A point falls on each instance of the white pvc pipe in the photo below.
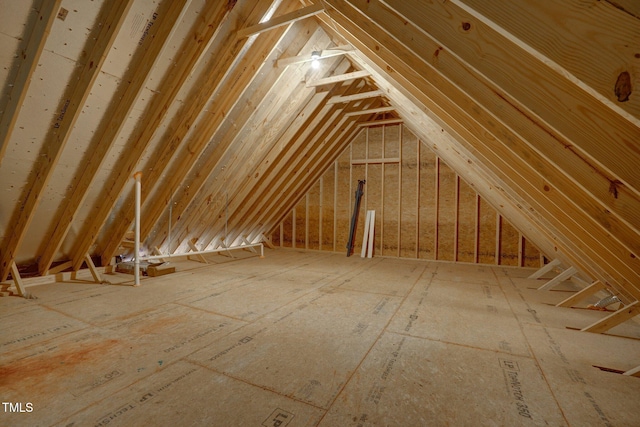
(136, 269)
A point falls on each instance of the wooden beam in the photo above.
(194, 248)
(247, 242)
(30, 57)
(17, 280)
(92, 267)
(380, 122)
(107, 26)
(267, 241)
(130, 88)
(355, 97)
(370, 111)
(592, 50)
(581, 295)
(327, 53)
(282, 20)
(565, 275)
(392, 160)
(545, 269)
(225, 99)
(635, 372)
(60, 267)
(187, 57)
(614, 319)
(338, 78)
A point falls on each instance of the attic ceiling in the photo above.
(220, 107)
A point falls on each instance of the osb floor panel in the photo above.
(306, 339)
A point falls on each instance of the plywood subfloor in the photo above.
(310, 338)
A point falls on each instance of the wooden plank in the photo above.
(594, 48)
(281, 20)
(380, 122)
(247, 242)
(635, 372)
(17, 280)
(268, 242)
(194, 248)
(327, 53)
(456, 221)
(365, 235)
(581, 295)
(36, 38)
(376, 161)
(355, 97)
(130, 88)
(540, 89)
(614, 319)
(60, 267)
(185, 60)
(92, 268)
(109, 22)
(338, 78)
(545, 269)
(498, 237)
(565, 275)
(370, 111)
(371, 231)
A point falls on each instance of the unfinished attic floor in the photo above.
(309, 338)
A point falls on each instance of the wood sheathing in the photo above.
(491, 133)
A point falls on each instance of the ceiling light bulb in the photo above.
(315, 55)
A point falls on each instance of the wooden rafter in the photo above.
(131, 87)
(282, 20)
(561, 219)
(186, 59)
(109, 22)
(173, 151)
(232, 110)
(292, 100)
(31, 55)
(298, 139)
(338, 78)
(287, 187)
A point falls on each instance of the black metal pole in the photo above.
(354, 218)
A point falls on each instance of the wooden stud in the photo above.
(581, 295)
(399, 229)
(456, 226)
(306, 221)
(614, 319)
(247, 242)
(418, 169)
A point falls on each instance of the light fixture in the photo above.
(315, 56)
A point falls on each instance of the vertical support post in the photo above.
(136, 270)
(17, 280)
